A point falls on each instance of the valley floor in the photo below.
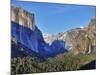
(62, 62)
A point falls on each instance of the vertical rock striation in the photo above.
(79, 40)
(28, 35)
(22, 17)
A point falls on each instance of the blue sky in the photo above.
(53, 18)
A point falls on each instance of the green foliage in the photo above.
(62, 62)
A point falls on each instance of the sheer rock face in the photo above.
(92, 31)
(22, 17)
(24, 29)
(28, 35)
(85, 41)
(67, 37)
(80, 40)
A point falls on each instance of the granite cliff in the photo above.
(27, 34)
(80, 40)
(22, 17)
(24, 30)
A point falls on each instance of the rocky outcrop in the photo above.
(92, 31)
(34, 41)
(68, 37)
(80, 40)
(24, 30)
(86, 39)
(29, 36)
(49, 38)
(22, 17)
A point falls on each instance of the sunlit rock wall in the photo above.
(22, 17)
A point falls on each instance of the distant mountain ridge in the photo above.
(79, 40)
(74, 36)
